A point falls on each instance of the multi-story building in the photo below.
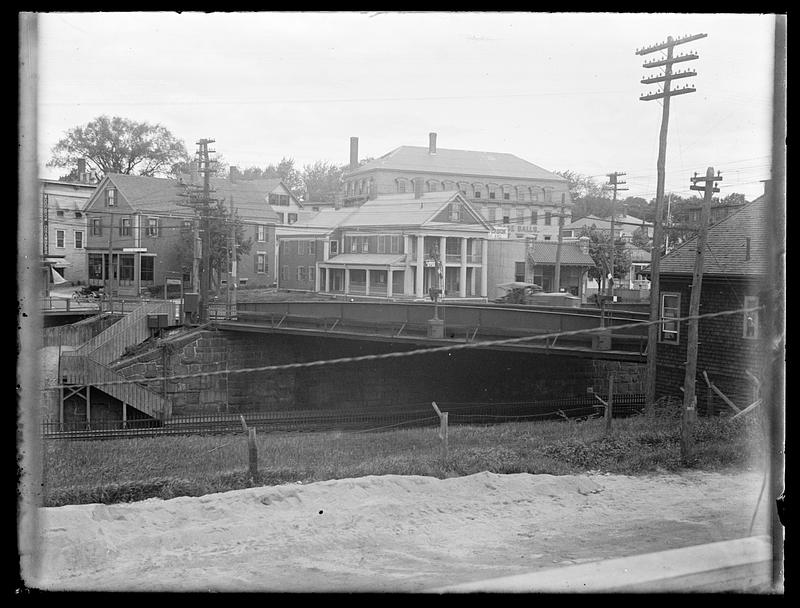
(624, 226)
(64, 227)
(394, 246)
(144, 224)
(503, 188)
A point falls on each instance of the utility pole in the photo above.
(110, 267)
(557, 277)
(669, 224)
(204, 167)
(689, 397)
(232, 278)
(666, 78)
(615, 183)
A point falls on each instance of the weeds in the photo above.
(165, 467)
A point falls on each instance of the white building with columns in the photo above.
(401, 246)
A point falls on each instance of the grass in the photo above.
(165, 467)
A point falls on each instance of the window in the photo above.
(455, 212)
(79, 239)
(126, 267)
(534, 217)
(283, 199)
(534, 194)
(563, 196)
(477, 193)
(78, 215)
(97, 227)
(60, 213)
(492, 194)
(401, 186)
(750, 324)
(292, 218)
(312, 248)
(506, 196)
(302, 274)
(261, 262)
(548, 196)
(125, 226)
(548, 218)
(146, 269)
(312, 274)
(111, 197)
(670, 310)
(280, 218)
(261, 233)
(186, 226)
(284, 273)
(60, 239)
(152, 226)
(519, 271)
(364, 244)
(492, 214)
(547, 238)
(353, 245)
(334, 247)
(96, 266)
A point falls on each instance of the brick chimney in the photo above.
(431, 143)
(353, 153)
(418, 187)
(82, 170)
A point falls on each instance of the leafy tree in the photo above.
(219, 227)
(290, 176)
(600, 251)
(322, 181)
(119, 145)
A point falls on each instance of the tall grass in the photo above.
(133, 469)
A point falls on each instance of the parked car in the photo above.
(518, 292)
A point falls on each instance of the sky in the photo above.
(560, 90)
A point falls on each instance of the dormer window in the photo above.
(111, 197)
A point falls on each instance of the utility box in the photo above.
(157, 321)
(436, 328)
(191, 303)
(601, 340)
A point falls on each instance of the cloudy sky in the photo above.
(559, 90)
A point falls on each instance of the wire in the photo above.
(415, 352)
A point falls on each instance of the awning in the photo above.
(55, 262)
(366, 259)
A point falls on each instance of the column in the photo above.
(420, 265)
(346, 280)
(326, 250)
(443, 257)
(472, 281)
(317, 280)
(484, 267)
(462, 279)
(327, 280)
(389, 274)
(137, 273)
(366, 285)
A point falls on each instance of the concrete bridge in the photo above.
(409, 322)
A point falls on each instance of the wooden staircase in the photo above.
(88, 365)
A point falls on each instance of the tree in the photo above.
(220, 230)
(322, 181)
(290, 176)
(600, 251)
(120, 145)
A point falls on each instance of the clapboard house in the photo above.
(730, 347)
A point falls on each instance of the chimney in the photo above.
(418, 187)
(583, 243)
(767, 189)
(353, 153)
(81, 169)
(431, 143)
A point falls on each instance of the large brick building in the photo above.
(503, 188)
(734, 270)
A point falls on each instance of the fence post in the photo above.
(610, 404)
(253, 453)
(442, 430)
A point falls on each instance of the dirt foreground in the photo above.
(387, 533)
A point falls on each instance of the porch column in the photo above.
(389, 283)
(326, 250)
(366, 285)
(484, 267)
(316, 278)
(443, 257)
(346, 280)
(327, 280)
(420, 265)
(462, 279)
(472, 281)
(137, 273)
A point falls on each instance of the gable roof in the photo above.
(544, 252)
(601, 222)
(726, 246)
(458, 162)
(406, 210)
(163, 195)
